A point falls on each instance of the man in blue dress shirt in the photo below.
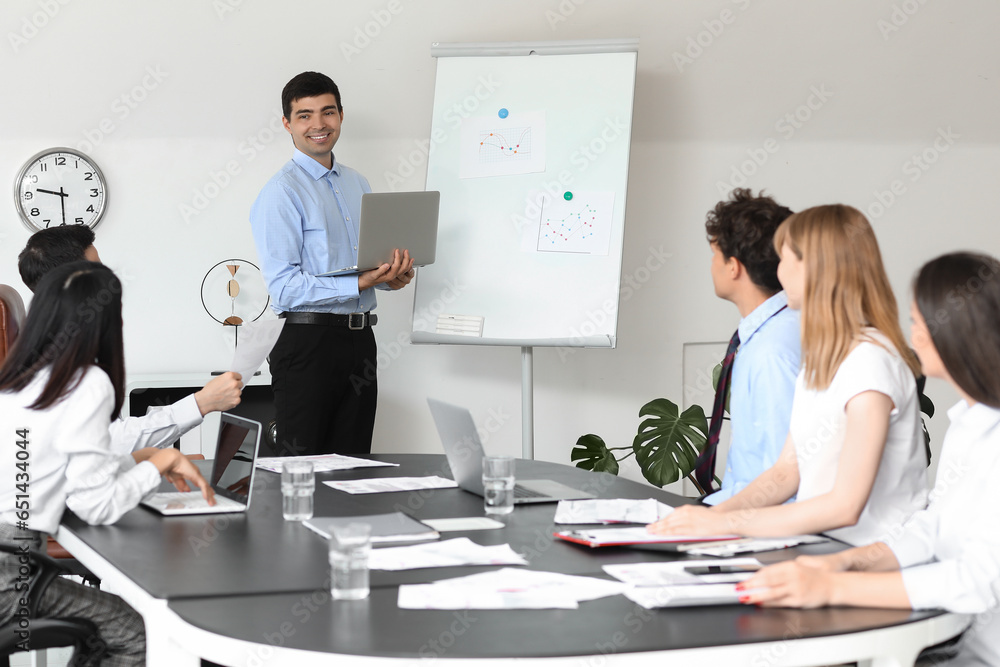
(305, 222)
(745, 271)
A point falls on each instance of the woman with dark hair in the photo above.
(948, 555)
(60, 387)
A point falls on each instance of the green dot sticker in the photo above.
(567, 195)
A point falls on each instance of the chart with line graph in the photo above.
(504, 145)
(581, 225)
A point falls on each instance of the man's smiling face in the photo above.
(315, 126)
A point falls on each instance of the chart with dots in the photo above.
(503, 144)
(580, 223)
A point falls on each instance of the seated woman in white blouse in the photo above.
(60, 387)
(854, 455)
(948, 555)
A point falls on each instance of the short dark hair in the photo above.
(743, 227)
(958, 295)
(75, 321)
(307, 84)
(52, 247)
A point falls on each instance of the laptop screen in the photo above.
(235, 456)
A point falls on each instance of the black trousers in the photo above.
(325, 389)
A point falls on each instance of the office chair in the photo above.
(80, 633)
(11, 318)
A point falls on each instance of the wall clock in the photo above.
(60, 186)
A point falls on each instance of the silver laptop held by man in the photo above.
(232, 473)
(395, 220)
(465, 457)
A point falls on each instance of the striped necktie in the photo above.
(704, 467)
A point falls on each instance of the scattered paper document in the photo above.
(579, 588)
(610, 537)
(508, 588)
(322, 462)
(676, 573)
(614, 510)
(449, 553)
(255, 343)
(754, 545)
(464, 523)
(685, 596)
(391, 484)
(431, 596)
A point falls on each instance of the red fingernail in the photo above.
(744, 599)
(739, 587)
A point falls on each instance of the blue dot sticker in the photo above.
(503, 113)
(567, 195)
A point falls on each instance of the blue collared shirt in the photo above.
(761, 393)
(305, 222)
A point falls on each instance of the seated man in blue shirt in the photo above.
(745, 271)
(305, 223)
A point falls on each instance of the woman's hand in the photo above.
(789, 584)
(179, 470)
(692, 520)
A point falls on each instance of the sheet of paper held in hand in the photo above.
(653, 597)
(391, 484)
(449, 553)
(508, 588)
(255, 343)
(611, 510)
(322, 462)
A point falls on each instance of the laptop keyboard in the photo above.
(521, 492)
(195, 500)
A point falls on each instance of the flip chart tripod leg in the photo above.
(527, 403)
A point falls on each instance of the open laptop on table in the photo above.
(231, 478)
(465, 457)
(395, 220)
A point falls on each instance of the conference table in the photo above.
(252, 589)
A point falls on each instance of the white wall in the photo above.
(884, 94)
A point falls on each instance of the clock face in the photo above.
(60, 186)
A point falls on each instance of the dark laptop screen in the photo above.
(235, 456)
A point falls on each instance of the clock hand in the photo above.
(62, 203)
(50, 192)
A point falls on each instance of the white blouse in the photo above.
(818, 429)
(61, 457)
(950, 552)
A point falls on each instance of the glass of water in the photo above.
(498, 484)
(349, 549)
(298, 482)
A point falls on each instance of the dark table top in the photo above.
(248, 576)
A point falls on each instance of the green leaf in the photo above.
(667, 443)
(590, 453)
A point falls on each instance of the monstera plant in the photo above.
(666, 446)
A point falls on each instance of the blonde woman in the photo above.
(853, 456)
(948, 555)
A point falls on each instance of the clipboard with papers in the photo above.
(631, 536)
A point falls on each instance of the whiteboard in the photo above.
(529, 147)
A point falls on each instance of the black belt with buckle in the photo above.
(353, 321)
